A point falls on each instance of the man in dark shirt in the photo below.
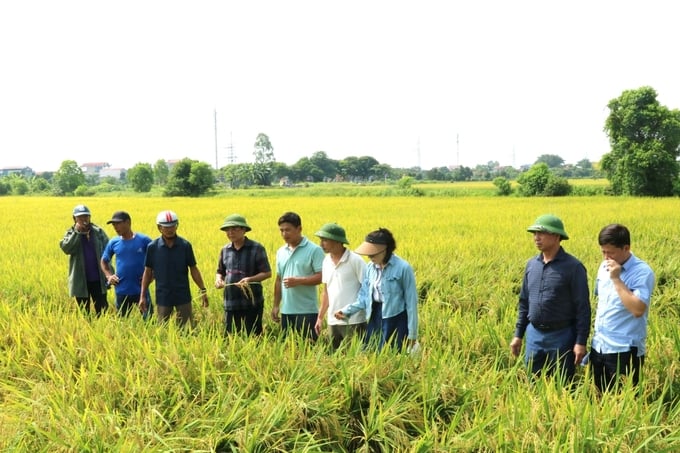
(169, 261)
(554, 304)
(242, 266)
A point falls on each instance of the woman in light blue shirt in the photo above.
(388, 293)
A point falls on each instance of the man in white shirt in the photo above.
(341, 275)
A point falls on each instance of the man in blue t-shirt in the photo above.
(129, 248)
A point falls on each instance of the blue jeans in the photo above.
(393, 331)
(550, 351)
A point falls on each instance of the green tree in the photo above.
(281, 170)
(349, 168)
(329, 167)
(39, 184)
(238, 175)
(540, 181)
(19, 185)
(141, 177)
(161, 172)
(67, 179)
(5, 186)
(264, 158)
(551, 160)
(305, 170)
(383, 171)
(503, 186)
(189, 178)
(583, 169)
(461, 174)
(438, 174)
(645, 143)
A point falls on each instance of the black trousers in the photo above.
(248, 320)
(94, 290)
(607, 368)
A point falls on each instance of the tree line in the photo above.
(643, 161)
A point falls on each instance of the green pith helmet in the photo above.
(334, 232)
(549, 223)
(235, 220)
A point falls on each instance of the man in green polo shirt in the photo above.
(298, 272)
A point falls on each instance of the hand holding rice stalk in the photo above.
(247, 291)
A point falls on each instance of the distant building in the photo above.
(94, 168)
(111, 172)
(20, 171)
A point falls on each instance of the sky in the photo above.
(410, 83)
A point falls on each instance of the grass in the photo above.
(72, 383)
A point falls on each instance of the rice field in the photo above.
(71, 383)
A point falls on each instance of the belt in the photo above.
(553, 326)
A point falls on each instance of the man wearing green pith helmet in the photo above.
(554, 304)
(241, 268)
(341, 276)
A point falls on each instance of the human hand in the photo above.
(339, 315)
(290, 282)
(82, 224)
(275, 314)
(204, 296)
(142, 304)
(219, 282)
(516, 346)
(413, 347)
(112, 280)
(613, 268)
(579, 353)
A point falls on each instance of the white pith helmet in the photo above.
(167, 218)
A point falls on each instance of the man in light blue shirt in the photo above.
(298, 273)
(623, 288)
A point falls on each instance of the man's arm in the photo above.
(323, 309)
(198, 279)
(277, 299)
(147, 278)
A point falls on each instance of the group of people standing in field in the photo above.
(554, 315)
(375, 300)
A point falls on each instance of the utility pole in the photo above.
(418, 148)
(457, 151)
(216, 164)
(231, 157)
